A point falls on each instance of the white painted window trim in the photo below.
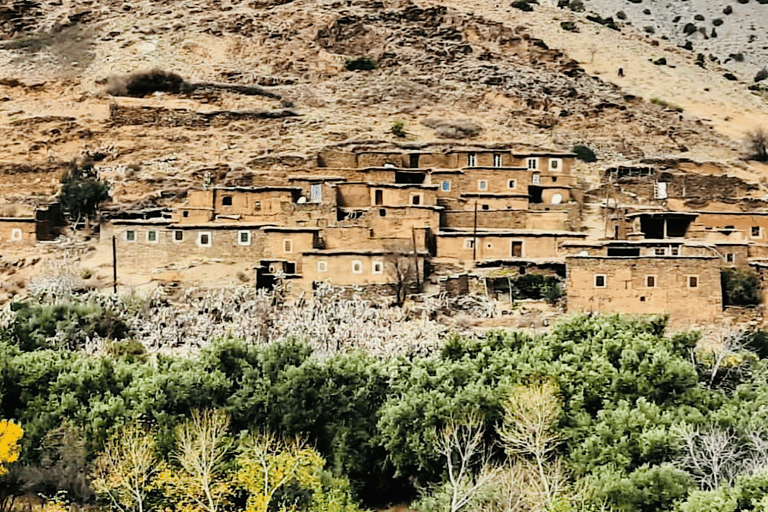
(605, 280)
(512, 184)
(377, 267)
(469, 243)
(133, 231)
(200, 239)
(288, 245)
(16, 234)
(497, 160)
(157, 238)
(759, 232)
(559, 166)
(482, 184)
(471, 159)
(536, 179)
(357, 267)
(240, 237)
(176, 240)
(443, 186)
(322, 266)
(655, 280)
(532, 163)
(688, 281)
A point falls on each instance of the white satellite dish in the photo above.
(583, 253)
(302, 200)
(557, 199)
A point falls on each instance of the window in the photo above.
(497, 160)
(16, 234)
(244, 238)
(469, 243)
(600, 281)
(152, 236)
(382, 212)
(378, 197)
(130, 235)
(661, 251)
(675, 251)
(755, 231)
(482, 185)
(226, 201)
(377, 267)
(555, 164)
(416, 199)
(322, 266)
(730, 257)
(532, 164)
(650, 281)
(485, 206)
(445, 186)
(693, 281)
(471, 160)
(357, 267)
(257, 205)
(512, 184)
(185, 213)
(178, 236)
(536, 179)
(516, 249)
(287, 245)
(204, 239)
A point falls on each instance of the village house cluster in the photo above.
(411, 219)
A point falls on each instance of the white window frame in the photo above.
(558, 164)
(536, 179)
(660, 251)
(497, 160)
(469, 243)
(16, 234)
(482, 184)
(759, 232)
(532, 163)
(133, 235)
(655, 280)
(471, 159)
(730, 257)
(288, 245)
(445, 186)
(322, 266)
(357, 267)
(377, 267)
(177, 240)
(240, 237)
(200, 236)
(688, 281)
(511, 184)
(156, 236)
(605, 280)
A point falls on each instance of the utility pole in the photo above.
(415, 258)
(114, 264)
(474, 236)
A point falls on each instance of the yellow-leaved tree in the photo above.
(10, 433)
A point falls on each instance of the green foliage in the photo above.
(82, 192)
(741, 287)
(648, 489)
(66, 325)
(398, 129)
(523, 5)
(584, 153)
(537, 286)
(665, 104)
(360, 64)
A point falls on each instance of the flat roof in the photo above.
(141, 222)
(361, 252)
(266, 188)
(661, 214)
(490, 194)
(650, 257)
(316, 178)
(390, 185)
(511, 232)
(17, 219)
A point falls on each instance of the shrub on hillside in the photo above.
(523, 5)
(360, 64)
(398, 129)
(145, 82)
(757, 143)
(740, 287)
(584, 153)
(81, 193)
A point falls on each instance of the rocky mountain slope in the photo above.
(733, 31)
(518, 76)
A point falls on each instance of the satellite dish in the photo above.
(389, 165)
(302, 200)
(557, 199)
(583, 253)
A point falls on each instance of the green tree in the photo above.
(81, 193)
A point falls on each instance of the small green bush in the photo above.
(666, 104)
(584, 153)
(523, 5)
(398, 129)
(360, 64)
